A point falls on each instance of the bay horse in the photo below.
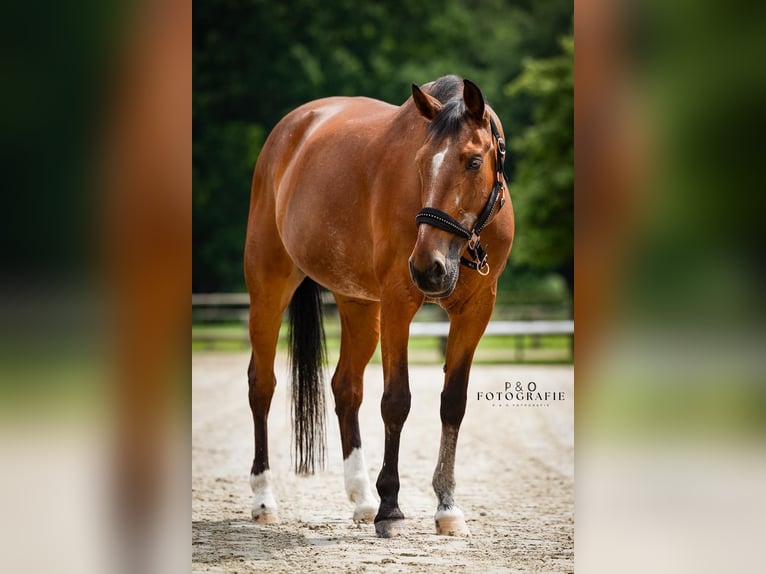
(380, 204)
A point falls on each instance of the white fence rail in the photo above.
(217, 306)
(498, 328)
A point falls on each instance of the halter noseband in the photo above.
(446, 222)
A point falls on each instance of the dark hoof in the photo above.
(389, 528)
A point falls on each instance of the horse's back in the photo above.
(335, 117)
(312, 181)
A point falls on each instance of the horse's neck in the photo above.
(399, 140)
(409, 122)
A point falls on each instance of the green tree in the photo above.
(543, 187)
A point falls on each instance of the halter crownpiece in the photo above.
(444, 221)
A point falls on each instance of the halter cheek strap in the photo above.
(440, 219)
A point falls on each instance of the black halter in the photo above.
(442, 220)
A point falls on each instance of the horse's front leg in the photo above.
(466, 329)
(396, 313)
(359, 336)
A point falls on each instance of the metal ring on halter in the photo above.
(483, 273)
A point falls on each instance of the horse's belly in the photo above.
(335, 251)
(334, 267)
(343, 282)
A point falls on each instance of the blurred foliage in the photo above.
(699, 255)
(255, 60)
(543, 189)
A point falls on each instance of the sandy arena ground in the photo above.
(514, 474)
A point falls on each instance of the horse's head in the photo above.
(460, 172)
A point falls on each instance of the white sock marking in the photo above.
(444, 477)
(451, 512)
(263, 498)
(357, 481)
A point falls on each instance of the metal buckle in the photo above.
(473, 241)
(483, 265)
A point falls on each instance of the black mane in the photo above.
(449, 91)
(446, 88)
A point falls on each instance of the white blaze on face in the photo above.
(357, 481)
(436, 164)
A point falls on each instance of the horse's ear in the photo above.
(474, 100)
(427, 105)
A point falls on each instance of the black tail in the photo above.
(307, 357)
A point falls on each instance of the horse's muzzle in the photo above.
(436, 277)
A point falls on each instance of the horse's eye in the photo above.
(474, 163)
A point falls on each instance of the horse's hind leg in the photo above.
(271, 288)
(466, 329)
(360, 322)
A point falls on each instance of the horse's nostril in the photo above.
(439, 270)
(431, 277)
